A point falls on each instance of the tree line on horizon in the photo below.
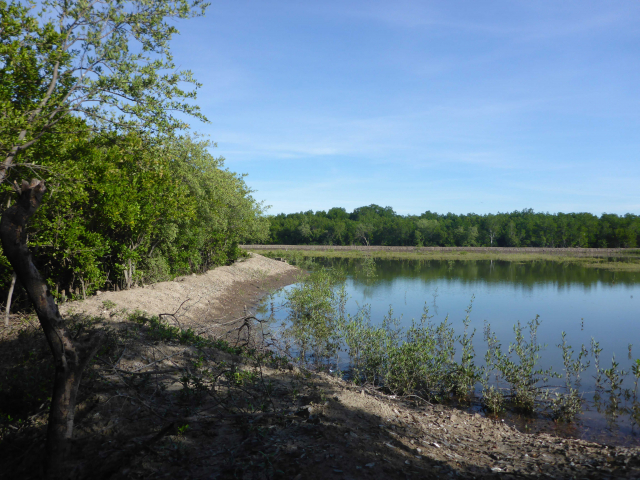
(376, 225)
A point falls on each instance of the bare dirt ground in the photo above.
(157, 403)
(197, 301)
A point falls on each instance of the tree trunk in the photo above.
(71, 354)
(9, 297)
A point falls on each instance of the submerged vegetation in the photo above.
(430, 361)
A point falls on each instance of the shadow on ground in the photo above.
(159, 402)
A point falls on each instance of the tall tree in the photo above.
(71, 353)
(107, 61)
(492, 226)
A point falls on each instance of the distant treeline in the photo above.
(375, 225)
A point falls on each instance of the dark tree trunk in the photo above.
(70, 354)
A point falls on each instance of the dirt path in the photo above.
(220, 294)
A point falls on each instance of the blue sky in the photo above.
(456, 106)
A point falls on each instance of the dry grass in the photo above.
(615, 260)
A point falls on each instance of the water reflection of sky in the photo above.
(610, 313)
(585, 303)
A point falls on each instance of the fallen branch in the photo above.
(174, 314)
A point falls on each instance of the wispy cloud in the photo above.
(527, 21)
(424, 105)
(452, 133)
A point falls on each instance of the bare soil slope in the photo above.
(197, 300)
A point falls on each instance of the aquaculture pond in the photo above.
(586, 303)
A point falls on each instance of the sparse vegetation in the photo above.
(423, 361)
(138, 365)
(629, 261)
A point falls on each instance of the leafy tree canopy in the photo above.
(107, 61)
(375, 225)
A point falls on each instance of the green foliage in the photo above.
(635, 370)
(108, 62)
(467, 374)
(224, 212)
(161, 331)
(595, 353)
(568, 404)
(122, 210)
(374, 225)
(525, 380)
(316, 309)
(89, 93)
(420, 360)
(492, 397)
(613, 378)
(108, 304)
(241, 377)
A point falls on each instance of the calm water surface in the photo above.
(584, 302)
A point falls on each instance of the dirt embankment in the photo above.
(223, 293)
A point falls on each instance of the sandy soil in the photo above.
(196, 301)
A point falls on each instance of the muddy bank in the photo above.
(370, 435)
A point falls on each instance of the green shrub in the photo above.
(125, 209)
(315, 310)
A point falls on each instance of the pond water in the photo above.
(583, 302)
